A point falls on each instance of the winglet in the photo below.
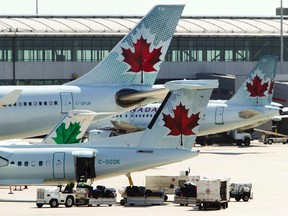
(71, 129)
(10, 98)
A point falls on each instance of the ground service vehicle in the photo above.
(168, 184)
(54, 197)
(139, 195)
(212, 193)
(81, 196)
(241, 191)
(186, 194)
(270, 139)
(234, 136)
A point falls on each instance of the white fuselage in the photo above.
(219, 117)
(47, 164)
(40, 108)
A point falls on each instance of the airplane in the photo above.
(251, 106)
(168, 138)
(120, 82)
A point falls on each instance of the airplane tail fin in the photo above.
(71, 129)
(136, 59)
(176, 123)
(258, 88)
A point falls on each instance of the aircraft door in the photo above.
(58, 165)
(66, 101)
(219, 115)
(84, 164)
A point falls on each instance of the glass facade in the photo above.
(27, 49)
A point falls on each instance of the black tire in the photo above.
(122, 202)
(270, 142)
(245, 198)
(39, 205)
(109, 205)
(69, 201)
(53, 203)
(181, 204)
(247, 141)
(165, 198)
(237, 199)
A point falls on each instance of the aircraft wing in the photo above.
(10, 98)
(128, 127)
(270, 132)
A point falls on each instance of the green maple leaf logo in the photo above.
(67, 136)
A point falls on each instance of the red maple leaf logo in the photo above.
(256, 88)
(271, 86)
(181, 124)
(141, 59)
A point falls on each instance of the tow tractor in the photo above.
(55, 196)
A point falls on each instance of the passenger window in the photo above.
(12, 163)
(26, 163)
(25, 103)
(35, 103)
(50, 102)
(47, 163)
(45, 103)
(40, 163)
(40, 103)
(33, 163)
(30, 103)
(20, 104)
(19, 163)
(55, 102)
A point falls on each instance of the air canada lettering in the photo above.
(144, 109)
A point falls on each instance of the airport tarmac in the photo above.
(265, 166)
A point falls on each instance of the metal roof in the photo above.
(120, 25)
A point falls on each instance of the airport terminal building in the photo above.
(40, 50)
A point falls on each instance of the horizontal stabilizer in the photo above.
(10, 98)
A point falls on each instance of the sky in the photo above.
(140, 7)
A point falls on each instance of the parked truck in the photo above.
(212, 193)
(234, 136)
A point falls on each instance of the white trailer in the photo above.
(168, 184)
(212, 193)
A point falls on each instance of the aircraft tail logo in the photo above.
(71, 129)
(136, 59)
(176, 123)
(258, 88)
